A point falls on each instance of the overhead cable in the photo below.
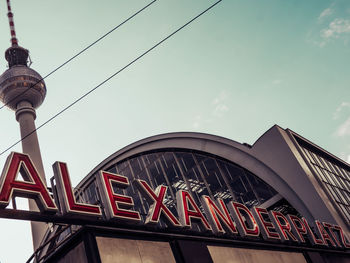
(110, 77)
(79, 53)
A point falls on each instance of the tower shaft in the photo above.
(25, 115)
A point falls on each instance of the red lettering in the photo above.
(217, 215)
(158, 207)
(66, 196)
(324, 234)
(116, 203)
(284, 228)
(32, 186)
(298, 226)
(188, 209)
(247, 226)
(344, 240)
(330, 229)
(266, 226)
(314, 240)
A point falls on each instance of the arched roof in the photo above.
(230, 150)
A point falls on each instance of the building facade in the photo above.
(197, 177)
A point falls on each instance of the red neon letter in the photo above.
(247, 227)
(188, 209)
(117, 205)
(67, 199)
(324, 234)
(215, 213)
(330, 229)
(313, 239)
(298, 227)
(32, 187)
(284, 228)
(266, 226)
(157, 206)
(346, 244)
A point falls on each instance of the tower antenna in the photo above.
(14, 41)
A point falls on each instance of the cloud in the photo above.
(220, 106)
(330, 26)
(336, 28)
(340, 108)
(325, 13)
(343, 129)
(218, 109)
(220, 98)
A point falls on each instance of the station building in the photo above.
(282, 172)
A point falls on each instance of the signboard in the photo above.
(233, 218)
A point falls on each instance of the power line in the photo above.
(112, 76)
(79, 53)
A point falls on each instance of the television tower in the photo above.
(23, 90)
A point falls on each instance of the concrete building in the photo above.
(281, 172)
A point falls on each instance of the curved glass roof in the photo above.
(196, 172)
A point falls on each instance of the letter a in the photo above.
(32, 186)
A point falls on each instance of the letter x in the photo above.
(158, 206)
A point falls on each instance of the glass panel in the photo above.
(348, 173)
(244, 255)
(329, 177)
(320, 173)
(315, 159)
(336, 170)
(116, 250)
(331, 190)
(336, 176)
(76, 254)
(345, 211)
(308, 155)
(341, 196)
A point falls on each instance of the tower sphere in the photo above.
(19, 82)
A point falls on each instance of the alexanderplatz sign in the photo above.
(232, 218)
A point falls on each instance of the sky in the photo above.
(235, 72)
